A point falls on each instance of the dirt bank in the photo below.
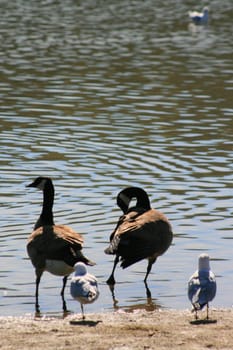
(119, 331)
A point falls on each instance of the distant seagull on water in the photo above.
(202, 285)
(200, 17)
(84, 286)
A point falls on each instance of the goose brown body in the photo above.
(141, 232)
(53, 248)
(56, 243)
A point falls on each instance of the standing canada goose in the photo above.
(202, 286)
(141, 233)
(53, 248)
(84, 286)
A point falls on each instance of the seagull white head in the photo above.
(80, 269)
(204, 262)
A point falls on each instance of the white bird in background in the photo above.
(200, 17)
(202, 285)
(84, 286)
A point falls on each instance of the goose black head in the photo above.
(125, 196)
(41, 182)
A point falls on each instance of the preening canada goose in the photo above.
(202, 286)
(83, 286)
(140, 233)
(53, 248)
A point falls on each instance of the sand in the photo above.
(159, 329)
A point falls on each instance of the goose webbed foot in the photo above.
(37, 308)
(37, 311)
(64, 307)
(148, 292)
(111, 281)
(112, 290)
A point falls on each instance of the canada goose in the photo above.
(140, 233)
(202, 286)
(84, 286)
(53, 248)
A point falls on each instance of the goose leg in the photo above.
(149, 266)
(62, 293)
(38, 277)
(111, 279)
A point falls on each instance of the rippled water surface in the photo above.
(100, 95)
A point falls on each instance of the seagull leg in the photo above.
(111, 279)
(196, 317)
(38, 277)
(83, 316)
(62, 293)
(207, 311)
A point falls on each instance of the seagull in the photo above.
(141, 232)
(200, 17)
(84, 286)
(202, 285)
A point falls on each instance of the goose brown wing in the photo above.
(135, 221)
(121, 228)
(56, 235)
(142, 236)
(68, 235)
(53, 242)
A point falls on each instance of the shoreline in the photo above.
(120, 330)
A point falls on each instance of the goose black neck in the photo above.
(46, 216)
(125, 196)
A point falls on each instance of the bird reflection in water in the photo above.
(147, 304)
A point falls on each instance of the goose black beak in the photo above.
(30, 185)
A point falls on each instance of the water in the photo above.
(103, 95)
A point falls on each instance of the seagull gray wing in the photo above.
(201, 288)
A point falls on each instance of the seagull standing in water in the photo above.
(200, 17)
(202, 285)
(84, 286)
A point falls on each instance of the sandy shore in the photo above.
(160, 329)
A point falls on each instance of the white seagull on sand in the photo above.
(200, 17)
(84, 286)
(202, 285)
